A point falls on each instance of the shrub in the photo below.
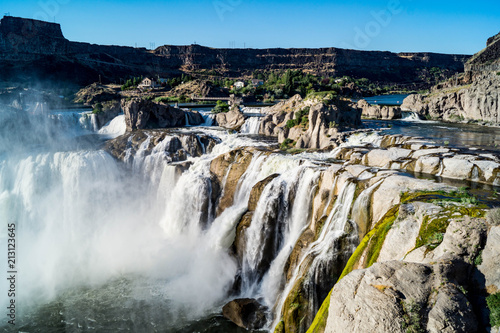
(291, 123)
(493, 216)
(333, 124)
(97, 108)
(220, 107)
(493, 302)
(286, 144)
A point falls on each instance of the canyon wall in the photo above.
(31, 49)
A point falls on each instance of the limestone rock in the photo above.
(247, 313)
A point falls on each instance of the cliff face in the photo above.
(475, 98)
(35, 49)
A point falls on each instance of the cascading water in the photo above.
(410, 116)
(114, 127)
(107, 245)
(322, 251)
(251, 125)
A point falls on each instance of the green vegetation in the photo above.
(300, 118)
(287, 144)
(493, 302)
(493, 216)
(498, 73)
(479, 259)
(170, 99)
(332, 124)
(372, 242)
(132, 83)
(412, 318)
(220, 107)
(433, 228)
(97, 108)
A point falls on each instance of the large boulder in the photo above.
(397, 296)
(232, 120)
(247, 313)
(141, 113)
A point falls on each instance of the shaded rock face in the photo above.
(110, 110)
(324, 122)
(378, 112)
(140, 114)
(394, 295)
(247, 313)
(232, 120)
(162, 144)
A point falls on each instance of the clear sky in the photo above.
(388, 25)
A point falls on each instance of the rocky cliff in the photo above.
(37, 50)
(314, 122)
(471, 97)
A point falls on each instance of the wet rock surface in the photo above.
(247, 313)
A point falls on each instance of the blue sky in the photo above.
(391, 25)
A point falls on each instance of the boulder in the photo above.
(232, 120)
(246, 313)
(140, 114)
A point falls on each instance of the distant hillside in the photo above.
(37, 50)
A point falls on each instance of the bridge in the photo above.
(230, 100)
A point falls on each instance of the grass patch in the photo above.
(493, 302)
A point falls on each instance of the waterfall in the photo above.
(410, 116)
(321, 250)
(115, 127)
(144, 232)
(69, 120)
(359, 139)
(251, 125)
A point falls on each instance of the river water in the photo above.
(108, 246)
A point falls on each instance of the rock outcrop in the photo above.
(378, 111)
(309, 123)
(160, 144)
(472, 97)
(141, 114)
(397, 296)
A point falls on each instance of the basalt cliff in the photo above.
(37, 50)
(472, 96)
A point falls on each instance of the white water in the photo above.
(251, 125)
(321, 249)
(115, 127)
(84, 219)
(69, 120)
(410, 116)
